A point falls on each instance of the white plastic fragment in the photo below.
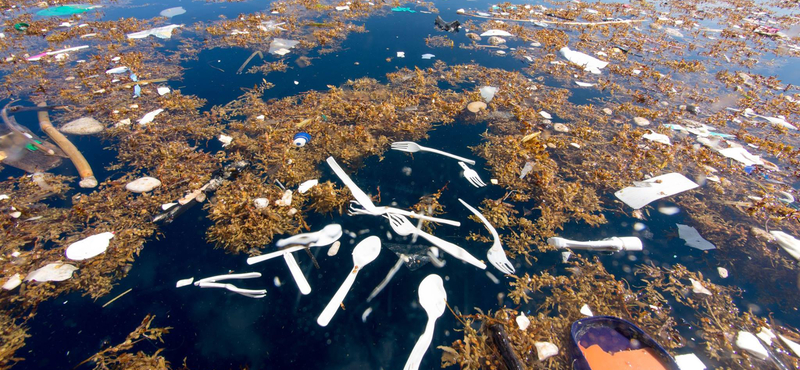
(644, 192)
(588, 62)
(261, 203)
(89, 247)
(496, 33)
(689, 361)
(286, 199)
(487, 93)
(82, 126)
(184, 282)
(789, 243)
(307, 185)
(641, 121)
(366, 314)
(723, 272)
(698, 288)
(401, 54)
(586, 311)
(164, 32)
(748, 342)
(342, 8)
(225, 140)
(162, 90)
(565, 256)
(545, 115)
(117, 70)
(669, 211)
(334, 248)
(766, 335)
(584, 84)
(659, 138)
(693, 239)
(3, 196)
(167, 206)
(742, 156)
(52, 272)
(150, 116)
(281, 46)
(523, 322)
(428, 56)
(491, 277)
(143, 184)
(545, 350)
(12, 282)
(171, 12)
(792, 345)
(526, 169)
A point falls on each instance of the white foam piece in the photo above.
(150, 116)
(584, 84)
(748, 342)
(792, 345)
(659, 138)
(12, 282)
(586, 311)
(789, 243)
(588, 62)
(669, 211)
(428, 56)
(644, 192)
(307, 185)
(523, 321)
(698, 288)
(689, 361)
(742, 156)
(545, 350)
(89, 247)
(52, 272)
(184, 282)
(693, 239)
(496, 33)
(401, 54)
(766, 335)
(163, 90)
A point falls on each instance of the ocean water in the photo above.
(215, 329)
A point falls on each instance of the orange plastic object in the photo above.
(637, 359)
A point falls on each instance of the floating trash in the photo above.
(82, 126)
(788, 242)
(117, 70)
(496, 33)
(476, 106)
(693, 239)
(588, 62)
(261, 203)
(584, 84)
(641, 121)
(89, 247)
(698, 288)
(750, 343)
(63, 10)
(669, 211)
(162, 90)
(496, 40)
(52, 272)
(225, 140)
(401, 54)
(171, 12)
(613, 244)
(164, 32)
(402, 9)
(487, 93)
(428, 56)
(432, 298)
(286, 199)
(12, 282)
(56, 53)
(149, 117)
(342, 8)
(689, 361)
(523, 322)
(545, 350)
(586, 310)
(300, 139)
(184, 282)
(644, 192)
(281, 47)
(143, 184)
(658, 138)
(307, 185)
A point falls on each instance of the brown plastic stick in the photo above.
(84, 170)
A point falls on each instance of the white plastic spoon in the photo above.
(364, 253)
(297, 274)
(433, 299)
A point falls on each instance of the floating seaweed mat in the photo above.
(606, 343)
(63, 10)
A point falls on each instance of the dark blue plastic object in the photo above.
(612, 334)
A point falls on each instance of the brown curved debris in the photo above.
(84, 170)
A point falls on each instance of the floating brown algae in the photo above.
(121, 356)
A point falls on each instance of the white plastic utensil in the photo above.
(433, 298)
(365, 252)
(497, 257)
(297, 274)
(326, 236)
(412, 147)
(381, 210)
(472, 176)
(402, 226)
(613, 244)
(214, 279)
(359, 194)
(261, 293)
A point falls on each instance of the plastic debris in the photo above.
(476, 106)
(282, 46)
(526, 169)
(487, 93)
(171, 12)
(225, 140)
(693, 239)
(162, 90)
(117, 70)
(584, 84)
(428, 56)
(742, 156)
(523, 322)
(723, 272)
(184, 282)
(143, 184)
(150, 116)
(496, 33)
(588, 62)
(268, 26)
(300, 139)
(560, 127)
(586, 311)
(307, 185)
(792, 345)
(402, 9)
(366, 314)
(789, 243)
(748, 342)
(334, 249)
(286, 199)
(58, 11)
(342, 8)
(82, 126)
(641, 121)
(496, 40)
(12, 282)
(689, 361)
(545, 115)
(261, 203)
(401, 54)
(89, 247)
(446, 26)
(545, 350)
(669, 211)
(644, 192)
(659, 138)
(613, 244)
(698, 288)
(766, 335)
(52, 272)
(56, 53)
(164, 32)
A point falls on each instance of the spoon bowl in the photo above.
(328, 235)
(432, 296)
(366, 251)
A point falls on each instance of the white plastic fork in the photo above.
(402, 226)
(497, 257)
(472, 176)
(381, 210)
(412, 147)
